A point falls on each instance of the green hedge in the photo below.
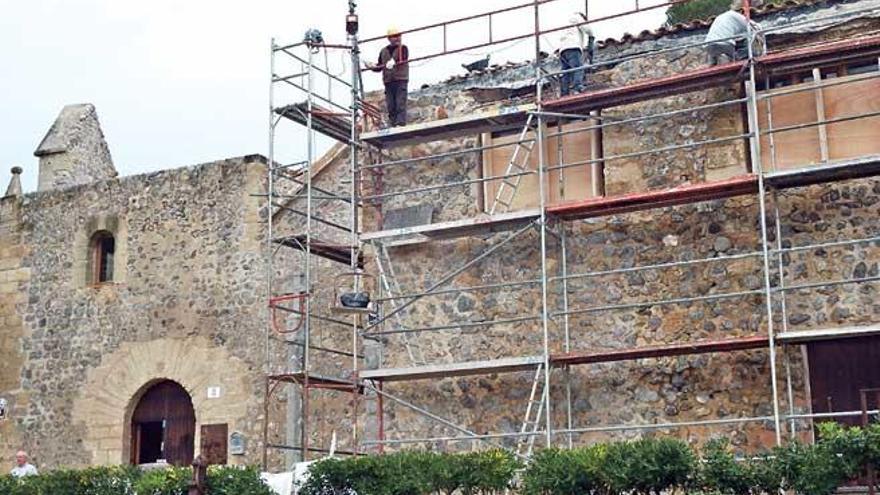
(642, 467)
(126, 480)
(414, 473)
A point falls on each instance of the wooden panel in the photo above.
(838, 369)
(790, 149)
(573, 183)
(496, 161)
(854, 138)
(213, 444)
(577, 184)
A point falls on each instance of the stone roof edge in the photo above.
(242, 159)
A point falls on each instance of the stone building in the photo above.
(470, 358)
(133, 318)
(131, 307)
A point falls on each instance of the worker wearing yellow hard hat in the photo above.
(394, 66)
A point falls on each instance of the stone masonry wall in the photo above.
(690, 388)
(190, 309)
(13, 297)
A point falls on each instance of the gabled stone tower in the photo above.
(74, 150)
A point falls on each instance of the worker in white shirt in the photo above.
(22, 466)
(731, 24)
(572, 44)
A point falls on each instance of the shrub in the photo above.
(486, 472)
(720, 472)
(647, 466)
(171, 481)
(228, 480)
(813, 469)
(414, 473)
(129, 480)
(563, 472)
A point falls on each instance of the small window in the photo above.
(103, 247)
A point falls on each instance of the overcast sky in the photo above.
(180, 82)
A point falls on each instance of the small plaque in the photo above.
(236, 443)
(214, 392)
(4, 409)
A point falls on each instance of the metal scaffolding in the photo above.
(386, 317)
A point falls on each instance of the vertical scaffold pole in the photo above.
(755, 140)
(310, 151)
(566, 322)
(353, 212)
(784, 311)
(542, 185)
(270, 191)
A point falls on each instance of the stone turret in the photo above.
(74, 150)
(14, 188)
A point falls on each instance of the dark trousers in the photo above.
(574, 80)
(395, 99)
(721, 53)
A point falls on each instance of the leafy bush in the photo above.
(647, 466)
(563, 472)
(720, 472)
(129, 480)
(699, 10)
(414, 473)
(228, 480)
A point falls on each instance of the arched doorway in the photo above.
(163, 425)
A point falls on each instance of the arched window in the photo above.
(103, 247)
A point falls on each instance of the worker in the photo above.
(731, 24)
(572, 44)
(394, 66)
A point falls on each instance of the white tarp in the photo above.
(287, 483)
(280, 483)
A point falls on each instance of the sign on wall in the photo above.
(236, 443)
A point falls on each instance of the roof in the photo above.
(651, 35)
(64, 129)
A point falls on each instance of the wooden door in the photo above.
(213, 443)
(163, 426)
(838, 370)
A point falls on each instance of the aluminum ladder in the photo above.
(391, 289)
(531, 423)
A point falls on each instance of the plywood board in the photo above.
(572, 183)
(790, 149)
(496, 161)
(859, 137)
(569, 184)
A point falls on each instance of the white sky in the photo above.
(180, 82)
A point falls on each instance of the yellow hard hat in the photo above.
(392, 31)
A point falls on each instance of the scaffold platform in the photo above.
(496, 118)
(329, 251)
(335, 125)
(317, 381)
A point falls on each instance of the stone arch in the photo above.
(104, 407)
